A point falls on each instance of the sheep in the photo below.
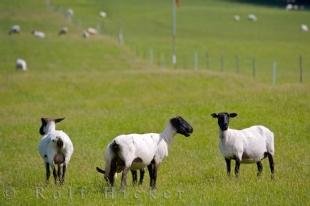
(304, 28)
(249, 145)
(103, 14)
(63, 31)
(15, 29)
(21, 64)
(136, 151)
(85, 34)
(38, 34)
(237, 18)
(55, 148)
(69, 13)
(92, 31)
(252, 17)
(289, 7)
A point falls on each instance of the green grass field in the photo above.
(104, 89)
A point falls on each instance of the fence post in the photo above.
(222, 63)
(274, 73)
(300, 69)
(207, 61)
(237, 64)
(151, 56)
(196, 60)
(120, 37)
(253, 68)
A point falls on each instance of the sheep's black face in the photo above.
(44, 123)
(223, 119)
(181, 126)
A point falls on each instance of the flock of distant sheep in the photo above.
(132, 152)
(21, 64)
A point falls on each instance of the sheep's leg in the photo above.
(259, 168)
(150, 169)
(64, 167)
(124, 178)
(55, 174)
(141, 176)
(134, 176)
(237, 166)
(228, 168)
(58, 172)
(48, 172)
(153, 174)
(271, 164)
(112, 172)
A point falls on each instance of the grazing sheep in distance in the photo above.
(55, 149)
(38, 34)
(69, 13)
(249, 145)
(103, 14)
(289, 7)
(92, 31)
(15, 29)
(63, 31)
(85, 34)
(304, 28)
(252, 17)
(21, 64)
(237, 18)
(136, 151)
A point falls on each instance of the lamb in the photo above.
(38, 34)
(103, 14)
(252, 17)
(55, 149)
(237, 17)
(15, 29)
(63, 31)
(85, 34)
(136, 151)
(69, 13)
(304, 28)
(21, 64)
(92, 31)
(250, 145)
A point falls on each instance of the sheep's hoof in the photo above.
(259, 174)
(272, 177)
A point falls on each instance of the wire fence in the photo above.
(290, 70)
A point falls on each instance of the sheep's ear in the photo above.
(59, 120)
(214, 115)
(44, 120)
(232, 115)
(100, 170)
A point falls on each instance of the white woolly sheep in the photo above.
(289, 7)
(15, 29)
(103, 14)
(63, 31)
(237, 18)
(250, 145)
(92, 31)
(304, 28)
(55, 149)
(85, 34)
(252, 17)
(69, 13)
(38, 34)
(136, 151)
(21, 64)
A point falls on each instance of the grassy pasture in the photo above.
(104, 90)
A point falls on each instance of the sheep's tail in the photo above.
(100, 170)
(270, 143)
(115, 148)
